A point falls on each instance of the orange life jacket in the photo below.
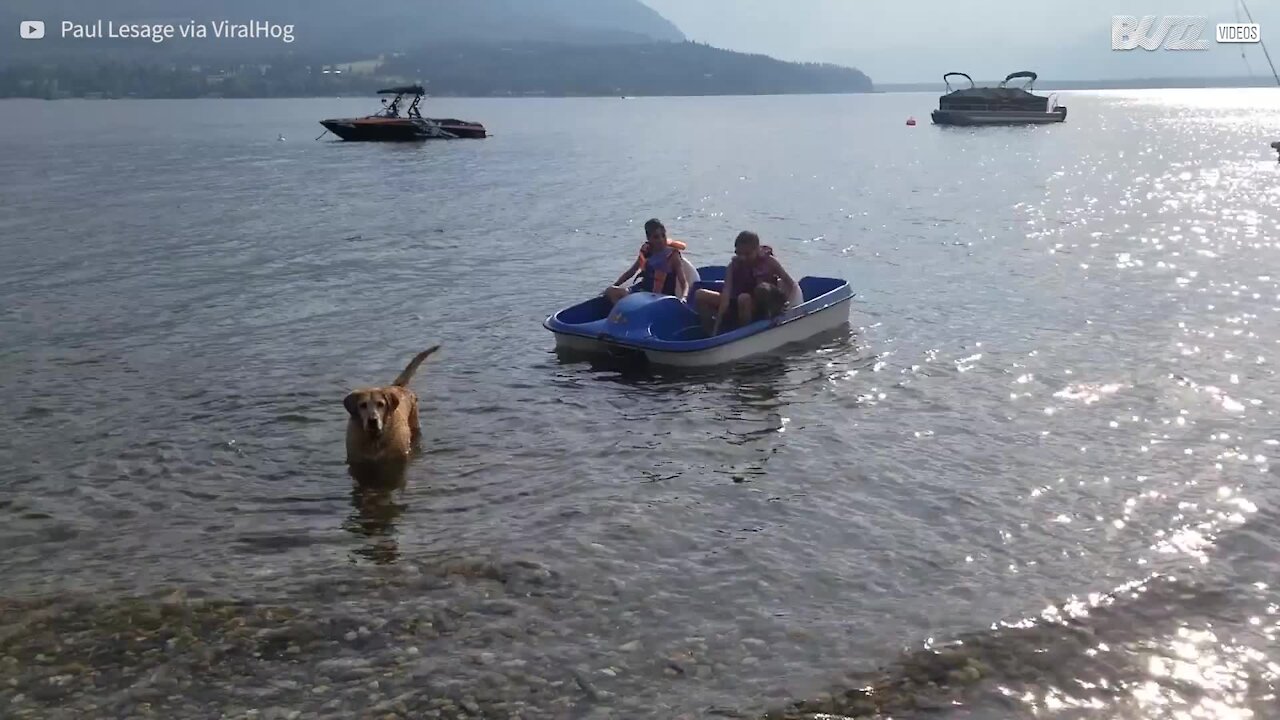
(660, 273)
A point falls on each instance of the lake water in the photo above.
(1049, 433)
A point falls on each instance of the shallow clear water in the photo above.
(1049, 432)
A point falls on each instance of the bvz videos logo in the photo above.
(1175, 32)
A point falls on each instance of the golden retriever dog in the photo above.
(770, 301)
(384, 420)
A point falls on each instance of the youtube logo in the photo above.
(31, 29)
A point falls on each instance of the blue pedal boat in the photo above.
(667, 332)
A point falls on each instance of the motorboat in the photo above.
(1000, 105)
(666, 331)
(390, 126)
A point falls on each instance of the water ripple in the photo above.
(1041, 458)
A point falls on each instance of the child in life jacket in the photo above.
(755, 288)
(660, 264)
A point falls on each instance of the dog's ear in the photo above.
(393, 401)
(350, 402)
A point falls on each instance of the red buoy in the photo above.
(911, 121)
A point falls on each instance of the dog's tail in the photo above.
(412, 367)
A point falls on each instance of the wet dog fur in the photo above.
(770, 300)
(383, 424)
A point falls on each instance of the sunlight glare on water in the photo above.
(1034, 478)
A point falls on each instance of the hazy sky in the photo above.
(918, 40)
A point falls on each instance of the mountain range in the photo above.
(551, 47)
(376, 25)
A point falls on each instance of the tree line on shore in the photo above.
(461, 69)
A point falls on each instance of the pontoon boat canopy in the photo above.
(404, 90)
(1021, 74)
(999, 97)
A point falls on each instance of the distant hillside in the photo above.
(637, 69)
(346, 29)
(456, 47)
(469, 69)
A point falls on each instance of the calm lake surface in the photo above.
(1049, 434)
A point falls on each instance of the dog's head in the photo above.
(370, 409)
(770, 299)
